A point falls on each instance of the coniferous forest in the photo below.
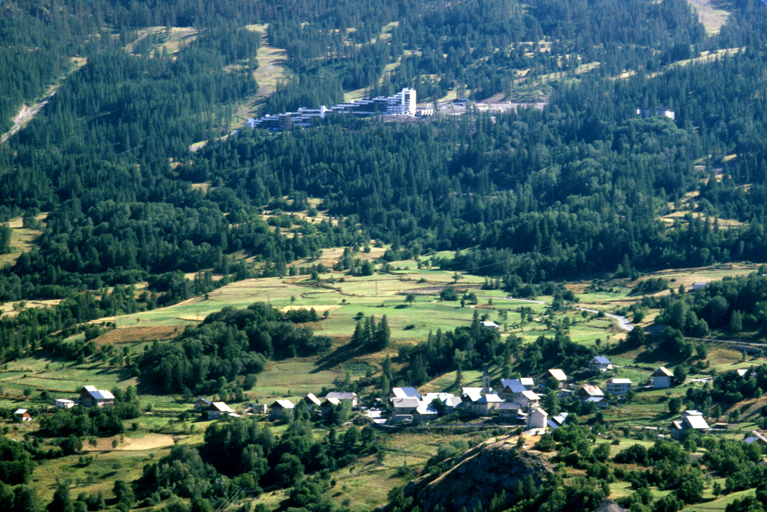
(144, 186)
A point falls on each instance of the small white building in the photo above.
(600, 364)
(690, 420)
(618, 386)
(63, 403)
(23, 414)
(490, 325)
(662, 378)
(278, 406)
(218, 409)
(537, 419)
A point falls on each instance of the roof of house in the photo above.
(742, 371)
(560, 418)
(310, 398)
(558, 374)
(405, 403)
(514, 385)
(616, 380)
(490, 398)
(592, 390)
(697, 422)
(758, 435)
(697, 285)
(222, 407)
(600, 360)
(332, 401)
(341, 395)
(204, 400)
(409, 392)
(662, 372)
(284, 404)
(21, 411)
(491, 324)
(90, 388)
(595, 399)
(530, 395)
(102, 394)
(508, 406)
(539, 412)
(677, 424)
(426, 409)
(430, 397)
(65, 401)
(453, 401)
(691, 412)
(528, 382)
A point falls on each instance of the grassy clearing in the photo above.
(712, 14)
(22, 239)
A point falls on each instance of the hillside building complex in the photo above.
(403, 103)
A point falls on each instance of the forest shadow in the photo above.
(336, 357)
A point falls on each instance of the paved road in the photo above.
(623, 322)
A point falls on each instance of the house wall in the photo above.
(661, 382)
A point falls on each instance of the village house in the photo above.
(756, 437)
(202, 405)
(690, 420)
(600, 401)
(588, 391)
(471, 395)
(537, 419)
(508, 412)
(403, 409)
(63, 403)
(452, 403)
(23, 415)
(511, 389)
(558, 375)
(486, 405)
(600, 364)
(662, 378)
(560, 420)
(218, 409)
(528, 400)
(343, 395)
(312, 402)
(404, 393)
(275, 410)
(618, 386)
(92, 397)
(490, 325)
(424, 412)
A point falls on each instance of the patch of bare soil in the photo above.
(137, 333)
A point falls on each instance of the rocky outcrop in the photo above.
(479, 474)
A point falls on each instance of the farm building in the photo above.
(92, 397)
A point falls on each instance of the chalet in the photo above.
(528, 399)
(756, 437)
(278, 406)
(63, 403)
(558, 375)
(599, 364)
(600, 401)
(560, 420)
(662, 378)
(486, 405)
(511, 389)
(742, 372)
(698, 285)
(312, 402)
(404, 393)
(23, 415)
(690, 420)
(508, 412)
(537, 419)
(343, 395)
(92, 397)
(202, 405)
(218, 409)
(588, 391)
(618, 386)
(490, 325)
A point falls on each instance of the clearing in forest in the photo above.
(712, 13)
(22, 239)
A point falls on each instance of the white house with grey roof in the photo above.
(92, 397)
(691, 419)
(600, 364)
